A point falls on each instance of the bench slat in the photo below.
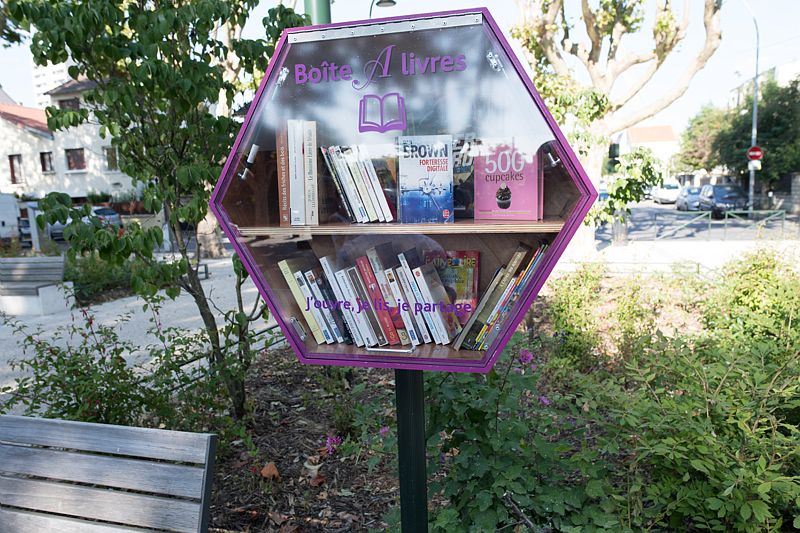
(14, 521)
(146, 476)
(105, 438)
(100, 504)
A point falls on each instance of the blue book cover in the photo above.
(425, 179)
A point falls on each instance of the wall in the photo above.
(16, 140)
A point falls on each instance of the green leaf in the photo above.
(594, 489)
(760, 510)
(764, 487)
(745, 511)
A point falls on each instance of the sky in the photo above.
(732, 65)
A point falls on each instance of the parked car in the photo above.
(688, 199)
(722, 197)
(107, 216)
(667, 193)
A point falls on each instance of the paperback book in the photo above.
(507, 181)
(464, 149)
(459, 272)
(425, 179)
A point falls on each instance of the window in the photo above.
(75, 159)
(70, 103)
(15, 165)
(112, 162)
(46, 158)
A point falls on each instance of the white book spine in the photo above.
(347, 314)
(297, 199)
(361, 185)
(349, 184)
(412, 301)
(376, 183)
(361, 321)
(310, 171)
(427, 297)
(326, 313)
(401, 302)
(427, 315)
(304, 288)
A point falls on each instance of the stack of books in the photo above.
(390, 297)
(500, 298)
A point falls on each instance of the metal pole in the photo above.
(754, 132)
(410, 399)
(319, 11)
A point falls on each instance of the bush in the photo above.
(95, 280)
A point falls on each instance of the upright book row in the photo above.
(351, 168)
(386, 298)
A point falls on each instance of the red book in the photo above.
(283, 175)
(376, 300)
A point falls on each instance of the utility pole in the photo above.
(754, 132)
(319, 10)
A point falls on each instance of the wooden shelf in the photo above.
(465, 226)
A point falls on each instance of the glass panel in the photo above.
(397, 192)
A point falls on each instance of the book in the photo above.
(338, 185)
(511, 269)
(310, 172)
(435, 296)
(484, 300)
(494, 329)
(506, 181)
(379, 270)
(287, 267)
(297, 198)
(282, 152)
(409, 260)
(376, 300)
(314, 279)
(364, 306)
(381, 114)
(425, 179)
(369, 168)
(348, 184)
(363, 188)
(362, 324)
(416, 314)
(386, 170)
(330, 267)
(305, 289)
(464, 149)
(402, 305)
(459, 272)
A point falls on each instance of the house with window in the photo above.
(76, 161)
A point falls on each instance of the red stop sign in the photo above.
(754, 153)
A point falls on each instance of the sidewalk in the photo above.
(181, 313)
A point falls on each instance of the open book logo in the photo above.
(381, 114)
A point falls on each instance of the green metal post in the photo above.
(319, 10)
(410, 399)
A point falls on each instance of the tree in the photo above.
(551, 45)
(778, 133)
(156, 68)
(697, 140)
(9, 32)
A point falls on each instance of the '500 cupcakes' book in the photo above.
(425, 178)
(507, 181)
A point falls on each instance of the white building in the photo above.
(662, 140)
(46, 78)
(36, 161)
(780, 74)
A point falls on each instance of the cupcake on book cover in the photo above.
(425, 178)
(507, 182)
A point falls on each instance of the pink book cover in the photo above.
(507, 181)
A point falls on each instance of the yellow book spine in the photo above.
(301, 301)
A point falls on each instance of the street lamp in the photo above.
(381, 3)
(751, 165)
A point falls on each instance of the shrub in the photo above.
(94, 279)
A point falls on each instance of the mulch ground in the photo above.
(288, 482)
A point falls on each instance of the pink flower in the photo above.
(544, 400)
(331, 442)
(525, 357)
(384, 431)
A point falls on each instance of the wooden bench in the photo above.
(75, 477)
(28, 285)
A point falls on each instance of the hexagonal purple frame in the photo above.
(586, 191)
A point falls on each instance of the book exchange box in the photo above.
(399, 192)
